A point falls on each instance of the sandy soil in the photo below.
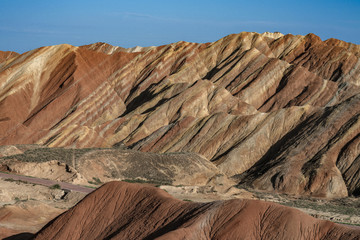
(27, 207)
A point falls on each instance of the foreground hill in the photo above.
(121, 210)
(278, 113)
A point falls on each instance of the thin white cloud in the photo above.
(32, 30)
(141, 16)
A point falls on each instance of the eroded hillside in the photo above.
(274, 112)
(121, 210)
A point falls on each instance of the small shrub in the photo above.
(13, 180)
(135, 181)
(55, 186)
(96, 181)
(19, 200)
(155, 182)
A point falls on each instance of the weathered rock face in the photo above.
(283, 106)
(121, 210)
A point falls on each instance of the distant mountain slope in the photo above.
(7, 55)
(276, 112)
(120, 210)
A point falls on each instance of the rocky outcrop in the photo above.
(283, 106)
(121, 210)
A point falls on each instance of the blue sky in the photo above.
(29, 24)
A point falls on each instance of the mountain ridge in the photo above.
(218, 99)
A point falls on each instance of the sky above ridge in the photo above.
(26, 25)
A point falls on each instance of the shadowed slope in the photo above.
(121, 210)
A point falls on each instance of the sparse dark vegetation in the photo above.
(146, 168)
(9, 180)
(19, 200)
(55, 186)
(44, 154)
(352, 224)
(137, 180)
(327, 206)
(176, 153)
(346, 206)
(96, 181)
(17, 181)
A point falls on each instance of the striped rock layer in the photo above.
(120, 210)
(278, 113)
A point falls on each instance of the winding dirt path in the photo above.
(46, 182)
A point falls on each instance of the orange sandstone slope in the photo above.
(120, 210)
(275, 112)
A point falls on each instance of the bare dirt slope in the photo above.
(121, 210)
(26, 207)
(279, 113)
(25, 218)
